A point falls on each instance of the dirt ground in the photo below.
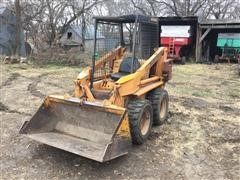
(201, 139)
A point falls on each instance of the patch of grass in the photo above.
(234, 93)
(57, 66)
(42, 66)
(203, 93)
(57, 71)
(193, 90)
(189, 69)
(206, 81)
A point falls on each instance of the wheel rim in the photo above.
(145, 123)
(163, 107)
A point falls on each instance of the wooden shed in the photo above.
(207, 34)
(72, 37)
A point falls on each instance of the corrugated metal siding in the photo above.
(77, 35)
(229, 35)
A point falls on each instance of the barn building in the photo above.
(72, 37)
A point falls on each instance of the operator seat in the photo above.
(125, 68)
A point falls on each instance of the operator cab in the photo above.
(121, 45)
(128, 65)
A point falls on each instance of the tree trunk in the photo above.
(83, 31)
(18, 28)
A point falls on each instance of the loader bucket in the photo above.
(88, 129)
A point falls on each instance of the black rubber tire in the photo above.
(183, 60)
(216, 59)
(136, 109)
(157, 97)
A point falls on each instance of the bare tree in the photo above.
(236, 13)
(184, 7)
(149, 7)
(77, 9)
(33, 20)
(118, 8)
(222, 9)
(55, 11)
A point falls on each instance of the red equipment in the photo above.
(174, 45)
(178, 40)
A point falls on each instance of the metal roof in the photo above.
(131, 18)
(89, 34)
(176, 20)
(220, 23)
(229, 35)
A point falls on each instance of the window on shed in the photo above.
(69, 35)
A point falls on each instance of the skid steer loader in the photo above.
(116, 100)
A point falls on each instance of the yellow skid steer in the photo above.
(116, 100)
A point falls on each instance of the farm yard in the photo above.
(201, 139)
